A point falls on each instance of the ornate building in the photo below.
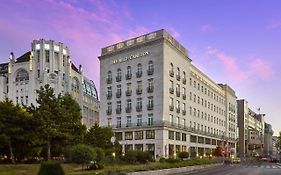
(48, 62)
(156, 100)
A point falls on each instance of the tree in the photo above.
(82, 154)
(100, 137)
(218, 152)
(13, 120)
(59, 118)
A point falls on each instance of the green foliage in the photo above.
(100, 137)
(137, 156)
(96, 166)
(50, 168)
(183, 155)
(172, 160)
(82, 154)
(100, 154)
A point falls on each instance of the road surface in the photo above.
(261, 168)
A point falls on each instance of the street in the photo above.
(261, 168)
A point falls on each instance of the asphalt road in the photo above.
(262, 168)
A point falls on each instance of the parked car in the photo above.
(236, 160)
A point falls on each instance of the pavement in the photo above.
(260, 168)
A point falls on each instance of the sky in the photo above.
(233, 42)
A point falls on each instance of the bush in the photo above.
(96, 166)
(100, 155)
(50, 168)
(144, 157)
(130, 157)
(172, 160)
(82, 154)
(183, 155)
(162, 160)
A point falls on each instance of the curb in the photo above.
(187, 169)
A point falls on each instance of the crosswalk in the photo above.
(263, 166)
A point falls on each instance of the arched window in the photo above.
(171, 71)
(119, 73)
(150, 68)
(22, 75)
(109, 75)
(139, 67)
(129, 70)
(178, 71)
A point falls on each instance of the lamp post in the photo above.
(112, 140)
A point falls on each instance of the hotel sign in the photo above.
(133, 56)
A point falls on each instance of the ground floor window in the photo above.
(139, 147)
(128, 147)
(150, 148)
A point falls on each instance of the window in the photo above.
(118, 122)
(128, 135)
(150, 68)
(150, 119)
(26, 100)
(183, 137)
(47, 55)
(129, 105)
(139, 87)
(183, 122)
(109, 75)
(150, 103)
(171, 135)
(139, 120)
(139, 102)
(22, 75)
(38, 73)
(139, 70)
(178, 136)
(150, 134)
(171, 102)
(129, 73)
(119, 75)
(171, 67)
(118, 93)
(118, 110)
(171, 85)
(171, 119)
(183, 107)
(138, 135)
(129, 121)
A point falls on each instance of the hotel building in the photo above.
(156, 100)
(251, 128)
(48, 62)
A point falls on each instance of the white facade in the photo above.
(48, 62)
(157, 101)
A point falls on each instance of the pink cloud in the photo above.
(174, 32)
(206, 28)
(256, 69)
(274, 25)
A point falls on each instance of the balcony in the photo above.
(171, 108)
(184, 96)
(178, 77)
(118, 78)
(109, 96)
(150, 71)
(109, 80)
(150, 106)
(171, 72)
(138, 91)
(178, 110)
(128, 92)
(183, 112)
(109, 112)
(171, 90)
(118, 94)
(139, 108)
(128, 109)
(178, 93)
(150, 89)
(128, 76)
(138, 74)
(184, 80)
(118, 110)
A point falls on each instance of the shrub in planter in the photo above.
(183, 155)
(50, 168)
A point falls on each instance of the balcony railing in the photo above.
(109, 80)
(171, 108)
(128, 109)
(138, 74)
(184, 80)
(118, 78)
(150, 106)
(171, 72)
(109, 112)
(118, 110)
(150, 71)
(128, 92)
(128, 76)
(178, 93)
(109, 96)
(171, 90)
(138, 91)
(150, 89)
(139, 108)
(118, 94)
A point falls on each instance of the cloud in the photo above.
(274, 25)
(257, 69)
(206, 28)
(174, 32)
